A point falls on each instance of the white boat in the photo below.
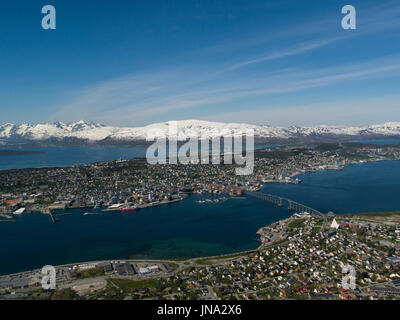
(19, 211)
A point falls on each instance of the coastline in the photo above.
(340, 168)
(194, 260)
(46, 210)
(234, 252)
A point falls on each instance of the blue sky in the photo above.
(132, 63)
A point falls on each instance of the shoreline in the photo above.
(206, 257)
(172, 260)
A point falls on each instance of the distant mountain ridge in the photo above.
(91, 132)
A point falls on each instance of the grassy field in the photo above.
(90, 273)
(128, 285)
(295, 224)
(64, 294)
(229, 256)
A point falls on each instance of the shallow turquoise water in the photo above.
(187, 228)
(184, 229)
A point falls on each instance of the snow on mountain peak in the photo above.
(96, 132)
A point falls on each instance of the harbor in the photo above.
(161, 212)
(120, 207)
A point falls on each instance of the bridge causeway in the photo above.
(279, 201)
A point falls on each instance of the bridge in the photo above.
(280, 201)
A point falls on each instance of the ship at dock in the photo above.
(129, 209)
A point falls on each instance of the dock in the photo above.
(159, 203)
(147, 205)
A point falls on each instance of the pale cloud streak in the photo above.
(141, 98)
(302, 48)
(354, 112)
(373, 20)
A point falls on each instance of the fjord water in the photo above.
(368, 187)
(381, 142)
(187, 228)
(184, 229)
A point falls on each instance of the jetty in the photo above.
(52, 216)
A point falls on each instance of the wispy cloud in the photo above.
(145, 97)
(353, 112)
(378, 19)
(301, 48)
(140, 99)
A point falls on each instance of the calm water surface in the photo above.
(184, 229)
(66, 156)
(369, 187)
(187, 228)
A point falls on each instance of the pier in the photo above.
(280, 201)
(51, 216)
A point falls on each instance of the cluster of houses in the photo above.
(305, 264)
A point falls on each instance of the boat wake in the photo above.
(90, 213)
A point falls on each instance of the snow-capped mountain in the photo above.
(93, 132)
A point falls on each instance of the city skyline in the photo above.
(132, 64)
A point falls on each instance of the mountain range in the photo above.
(90, 132)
